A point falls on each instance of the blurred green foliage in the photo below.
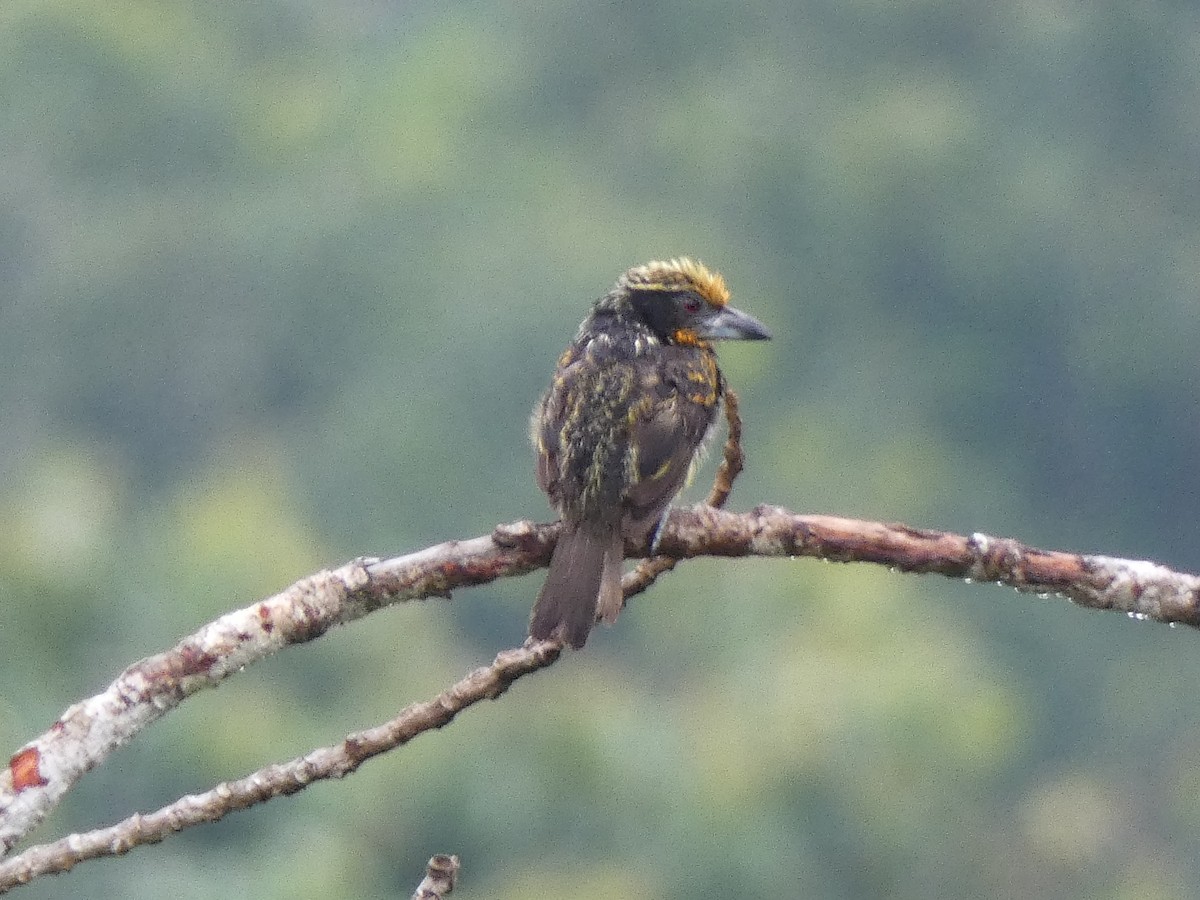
(280, 281)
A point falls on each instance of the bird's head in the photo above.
(682, 302)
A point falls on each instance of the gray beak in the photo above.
(731, 324)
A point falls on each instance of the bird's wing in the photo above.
(544, 431)
(580, 432)
(665, 435)
(547, 422)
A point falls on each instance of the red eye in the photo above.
(691, 304)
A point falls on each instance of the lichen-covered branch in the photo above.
(289, 777)
(42, 771)
(1144, 590)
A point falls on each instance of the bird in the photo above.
(616, 436)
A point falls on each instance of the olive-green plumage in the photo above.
(631, 402)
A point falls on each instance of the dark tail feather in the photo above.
(578, 584)
(611, 599)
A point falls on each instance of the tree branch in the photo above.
(41, 772)
(290, 777)
(44, 769)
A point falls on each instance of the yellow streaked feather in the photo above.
(679, 274)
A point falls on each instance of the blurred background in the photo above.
(280, 281)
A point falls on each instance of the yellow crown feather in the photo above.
(681, 274)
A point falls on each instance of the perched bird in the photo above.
(631, 403)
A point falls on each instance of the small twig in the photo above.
(440, 875)
(648, 571)
(733, 460)
(290, 777)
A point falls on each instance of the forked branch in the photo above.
(41, 772)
